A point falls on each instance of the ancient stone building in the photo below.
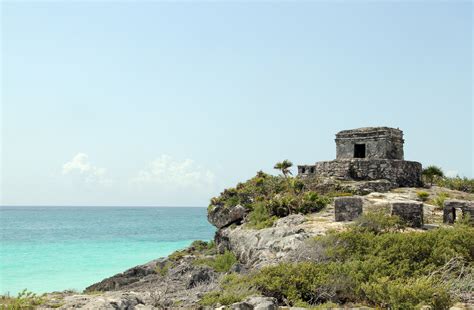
(370, 153)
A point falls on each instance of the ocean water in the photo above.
(46, 249)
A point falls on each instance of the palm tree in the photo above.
(284, 167)
(432, 172)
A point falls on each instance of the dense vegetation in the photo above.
(373, 263)
(269, 197)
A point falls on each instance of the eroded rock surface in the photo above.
(257, 248)
(222, 216)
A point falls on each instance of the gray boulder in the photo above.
(256, 303)
(256, 248)
(221, 216)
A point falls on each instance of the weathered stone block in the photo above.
(411, 212)
(452, 205)
(347, 208)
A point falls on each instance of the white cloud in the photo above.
(80, 165)
(175, 175)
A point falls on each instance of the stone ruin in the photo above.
(453, 207)
(410, 212)
(375, 154)
(368, 154)
(350, 208)
(347, 208)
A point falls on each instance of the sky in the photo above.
(148, 103)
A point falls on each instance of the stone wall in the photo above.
(454, 208)
(411, 212)
(401, 173)
(347, 208)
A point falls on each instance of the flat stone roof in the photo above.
(370, 132)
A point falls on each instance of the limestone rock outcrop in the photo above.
(222, 216)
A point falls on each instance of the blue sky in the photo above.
(162, 103)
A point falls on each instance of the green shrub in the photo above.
(378, 222)
(202, 247)
(359, 262)
(405, 294)
(262, 187)
(233, 288)
(312, 202)
(177, 255)
(282, 205)
(24, 300)
(260, 217)
(432, 173)
(220, 262)
(162, 269)
(381, 267)
(423, 196)
(440, 199)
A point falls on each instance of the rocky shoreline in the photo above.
(181, 280)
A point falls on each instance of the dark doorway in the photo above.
(359, 151)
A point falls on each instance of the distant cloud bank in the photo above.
(80, 165)
(171, 173)
(164, 180)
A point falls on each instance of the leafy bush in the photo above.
(440, 199)
(260, 217)
(423, 196)
(202, 247)
(233, 288)
(360, 264)
(405, 294)
(270, 197)
(378, 222)
(379, 267)
(432, 173)
(220, 262)
(196, 247)
(312, 202)
(262, 187)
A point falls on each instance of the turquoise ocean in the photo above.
(46, 249)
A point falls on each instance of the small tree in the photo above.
(284, 167)
(432, 172)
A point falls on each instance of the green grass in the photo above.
(220, 262)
